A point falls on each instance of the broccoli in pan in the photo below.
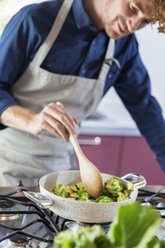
(114, 191)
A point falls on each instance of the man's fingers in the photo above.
(66, 114)
(54, 126)
(75, 120)
(60, 114)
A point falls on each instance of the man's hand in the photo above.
(53, 118)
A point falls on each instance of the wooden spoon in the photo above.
(90, 175)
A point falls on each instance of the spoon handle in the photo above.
(74, 140)
(76, 146)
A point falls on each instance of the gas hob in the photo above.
(25, 225)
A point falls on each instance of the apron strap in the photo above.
(54, 32)
(109, 59)
(110, 49)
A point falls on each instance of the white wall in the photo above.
(152, 50)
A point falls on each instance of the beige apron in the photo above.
(27, 157)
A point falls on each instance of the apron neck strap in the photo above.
(109, 59)
(110, 49)
(54, 32)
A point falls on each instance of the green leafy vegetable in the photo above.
(61, 190)
(86, 238)
(84, 196)
(114, 185)
(104, 199)
(129, 186)
(114, 190)
(155, 243)
(134, 226)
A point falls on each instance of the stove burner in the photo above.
(76, 226)
(19, 241)
(8, 206)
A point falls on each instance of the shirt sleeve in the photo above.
(133, 87)
(12, 59)
(17, 46)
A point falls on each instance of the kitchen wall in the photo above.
(152, 49)
(9, 7)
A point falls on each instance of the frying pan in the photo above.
(80, 211)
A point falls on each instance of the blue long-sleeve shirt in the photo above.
(80, 50)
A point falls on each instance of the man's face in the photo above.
(123, 17)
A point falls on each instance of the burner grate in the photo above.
(145, 193)
(28, 235)
(42, 213)
(43, 216)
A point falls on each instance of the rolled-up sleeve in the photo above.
(133, 87)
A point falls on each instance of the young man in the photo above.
(65, 50)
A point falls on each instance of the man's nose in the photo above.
(134, 23)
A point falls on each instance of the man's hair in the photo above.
(159, 14)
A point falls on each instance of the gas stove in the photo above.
(25, 225)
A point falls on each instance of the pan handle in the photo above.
(41, 200)
(136, 179)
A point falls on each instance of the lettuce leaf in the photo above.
(134, 226)
(87, 237)
(155, 243)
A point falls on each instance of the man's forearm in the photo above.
(17, 117)
(52, 118)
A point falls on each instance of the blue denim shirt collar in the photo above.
(81, 17)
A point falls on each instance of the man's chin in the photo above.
(112, 34)
(116, 36)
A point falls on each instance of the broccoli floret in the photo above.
(114, 185)
(130, 186)
(106, 192)
(113, 191)
(68, 189)
(61, 190)
(121, 197)
(74, 195)
(57, 189)
(87, 237)
(78, 185)
(84, 196)
(126, 193)
(82, 189)
(74, 188)
(104, 199)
